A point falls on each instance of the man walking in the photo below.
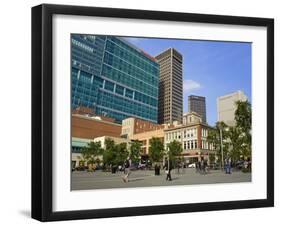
(127, 170)
(168, 169)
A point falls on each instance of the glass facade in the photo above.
(113, 78)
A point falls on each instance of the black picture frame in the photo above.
(42, 107)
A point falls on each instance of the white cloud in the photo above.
(190, 85)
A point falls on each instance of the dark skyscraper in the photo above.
(198, 105)
(170, 105)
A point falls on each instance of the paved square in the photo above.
(146, 178)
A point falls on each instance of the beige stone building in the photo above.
(117, 140)
(226, 106)
(145, 138)
(192, 134)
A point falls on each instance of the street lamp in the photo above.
(168, 157)
(222, 162)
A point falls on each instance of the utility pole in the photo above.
(221, 149)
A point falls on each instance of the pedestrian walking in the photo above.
(168, 168)
(202, 166)
(206, 168)
(197, 167)
(127, 170)
(178, 167)
(228, 166)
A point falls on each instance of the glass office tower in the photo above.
(114, 78)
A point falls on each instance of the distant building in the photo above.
(86, 125)
(117, 140)
(197, 104)
(143, 131)
(131, 126)
(170, 106)
(191, 117)
(145, 138)
(226, 106)
(113, 77)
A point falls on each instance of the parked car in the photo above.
(191, 165)
(240, 164)
(141, 166)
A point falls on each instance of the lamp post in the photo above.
(168, 158)
(222, 162)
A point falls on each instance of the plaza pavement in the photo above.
(82, 180)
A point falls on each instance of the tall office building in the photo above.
(114, 78)
(170, 106)
(226, 106)
(197, 104)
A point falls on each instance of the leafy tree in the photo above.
(135, 150)
(235, 143)
(215, 139)
(174, 149)
(174, 152)
(243, 118)
(121, 153)
(114, 154)
(156, 149)
(91, 152)
(109, 153)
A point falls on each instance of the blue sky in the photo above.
(210, 68)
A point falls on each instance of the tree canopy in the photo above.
(114, 154)
(156, 149)
(174, 149)
(135, 150)
(92, 152)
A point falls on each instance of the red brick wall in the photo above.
(89, 129)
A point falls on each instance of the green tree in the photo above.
(135, 150)
(243, 118)
(109, 154)
(156, 149)
(174, 149)
(235, 143)
(114, 154)
(214, 138)
(122, 153)
(92, 152)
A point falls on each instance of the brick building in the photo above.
(131, 126)
(87, 125)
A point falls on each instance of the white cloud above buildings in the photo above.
(191, 85)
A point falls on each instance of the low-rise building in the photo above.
(87, 125)
(132, 126)
(145, 138)
(193, 137)
(117, 140)
(144, 131)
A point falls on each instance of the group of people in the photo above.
(202, 167)
(127, 170)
